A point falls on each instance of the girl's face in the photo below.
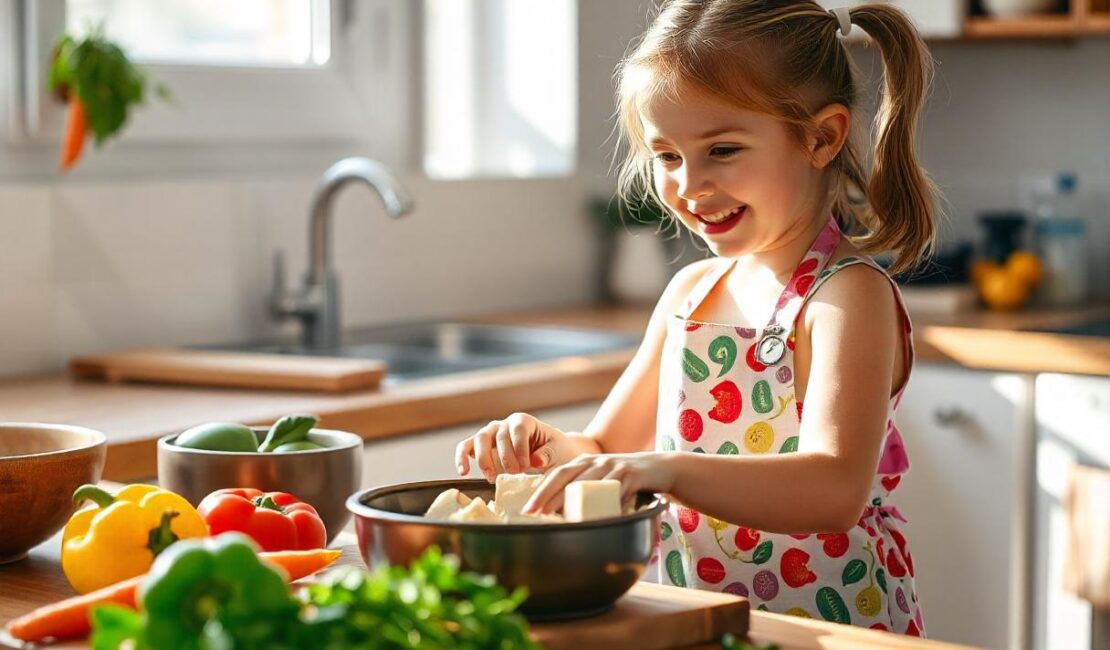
(736, 178)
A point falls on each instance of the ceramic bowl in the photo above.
(323, 478)
(40, 467)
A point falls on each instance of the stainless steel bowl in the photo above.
(571, 570)
(323, 478)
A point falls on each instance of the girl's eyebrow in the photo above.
(712, 133)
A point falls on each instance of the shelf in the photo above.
(1045, 26)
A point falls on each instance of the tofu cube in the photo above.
(586, 500)
(514, 490)
(477, 512)
(446, 504)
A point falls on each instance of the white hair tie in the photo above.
(843, 16)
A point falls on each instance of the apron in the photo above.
(725, 389)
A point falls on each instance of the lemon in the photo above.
(980, 268)
(1001, 289)
(1026, 266)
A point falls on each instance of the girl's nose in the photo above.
(692, 184)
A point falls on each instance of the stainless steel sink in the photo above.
(419, 350)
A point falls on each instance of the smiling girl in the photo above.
(736, 116)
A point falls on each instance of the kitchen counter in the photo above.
(38, 580)
(133, 416)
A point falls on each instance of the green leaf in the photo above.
(763, 552)
(694, 367)
(674, 569)
(880, 577)
(790, 445)
(114, 624)
(698, 450)
(854, 571)
(832, 606)
(665, 531)
(668, 443)
(291, 428)
(723, 351)
(729, 448)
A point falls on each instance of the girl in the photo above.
(736, 115)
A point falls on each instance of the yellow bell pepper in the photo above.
(119, 537)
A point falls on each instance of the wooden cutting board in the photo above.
(231, 369)
(648, 617)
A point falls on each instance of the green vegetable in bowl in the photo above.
(291, 428)
(303, 445)
(218, 436)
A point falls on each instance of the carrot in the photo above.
(73, 140)
(69, 618)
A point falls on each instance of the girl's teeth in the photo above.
(721, 216)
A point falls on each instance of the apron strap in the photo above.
(800, 285)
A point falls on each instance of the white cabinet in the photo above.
(1073, 426)
(431, 455)
(933, 18)
(969, 439)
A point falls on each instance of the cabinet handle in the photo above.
(951, 416)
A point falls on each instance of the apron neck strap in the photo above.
(813, 262)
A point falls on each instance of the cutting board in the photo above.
(648, 617)
(231, 369)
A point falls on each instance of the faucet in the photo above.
(316, 304)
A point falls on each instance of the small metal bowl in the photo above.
(323, 478)
(571, 570)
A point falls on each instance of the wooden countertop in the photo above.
(134, 415)
(38, 580)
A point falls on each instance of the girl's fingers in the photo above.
(483, 450)
(549, 497)
(520, 435)
(505, 451)
(463, 451)
(630, 485)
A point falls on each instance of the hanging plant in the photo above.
(99, 84)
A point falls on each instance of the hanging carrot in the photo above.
(73, 140)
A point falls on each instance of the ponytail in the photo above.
(899, 192)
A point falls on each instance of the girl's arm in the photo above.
(853, 330)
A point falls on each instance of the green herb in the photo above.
(103, 78)
(429, 606)
(291, 428)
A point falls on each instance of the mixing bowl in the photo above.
(323, 478)
(570, 569)
(40, 467)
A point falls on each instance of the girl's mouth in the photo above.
(719, 223)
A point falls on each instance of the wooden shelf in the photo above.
(1046, 26)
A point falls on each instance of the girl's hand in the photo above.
(643, 471)
(516, 444)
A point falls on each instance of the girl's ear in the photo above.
(831, 126)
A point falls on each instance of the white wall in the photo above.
(164, 259)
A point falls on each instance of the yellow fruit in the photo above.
(980, 268)
(759, 437)
(868, 601)
(1001, 289)
(798, 611)
(1026, 266)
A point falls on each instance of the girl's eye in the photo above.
(667, 157)
(723, 152)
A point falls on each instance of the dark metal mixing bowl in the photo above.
(570, 569)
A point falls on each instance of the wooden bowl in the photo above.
(40, 467)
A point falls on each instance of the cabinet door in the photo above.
(965, 431)
(431, 454)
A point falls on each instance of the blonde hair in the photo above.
(783, 58)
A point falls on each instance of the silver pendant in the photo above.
(771, 347)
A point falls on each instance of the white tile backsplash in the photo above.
(27, 331)
(25, 223)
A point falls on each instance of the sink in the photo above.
(420, 350)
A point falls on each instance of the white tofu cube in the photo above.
(446, 504)
(514, 490)
(586, 500)
(476, 512)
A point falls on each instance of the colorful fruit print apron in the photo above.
(729, 390)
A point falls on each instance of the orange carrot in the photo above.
(69, 618)
(73, 140)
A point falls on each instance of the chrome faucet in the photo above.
(316, 304)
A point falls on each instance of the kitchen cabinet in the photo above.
(431, 454)
(933, 18)
(969, 438)
(1080, 18)
(1073, 427)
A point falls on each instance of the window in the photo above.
(211, 32)
(267, 72)
(500, 87)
